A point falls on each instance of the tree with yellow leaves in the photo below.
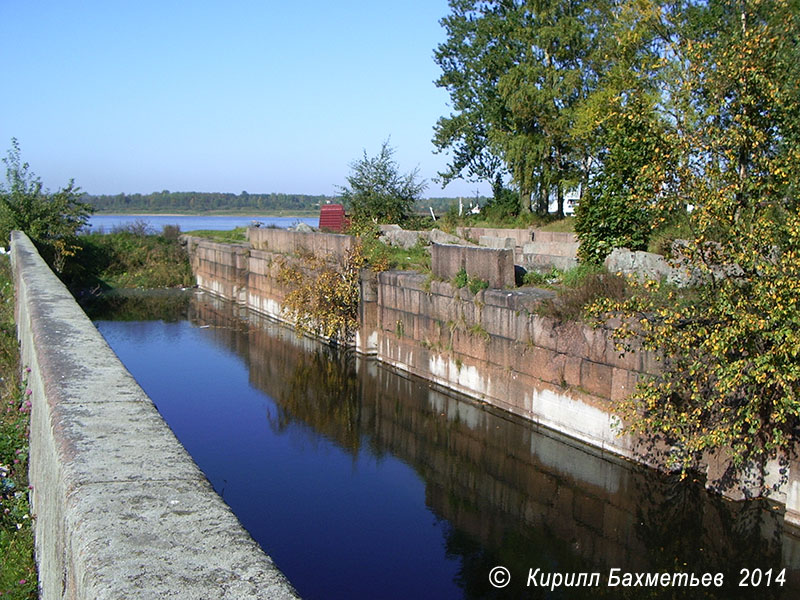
(730, 382)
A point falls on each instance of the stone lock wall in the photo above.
(493, 347)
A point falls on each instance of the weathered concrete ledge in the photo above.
(491, 264)
(121, 509)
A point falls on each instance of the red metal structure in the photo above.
(332, 218)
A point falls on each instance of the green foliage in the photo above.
(504, 205)
(376, 191)
(476, 53)
(675, 228)
(476, 284)
(17, 567)
(517, 74)
(128, 260)
(381, 257)
(51, 220)
(617, 210)
(461, 279)
(473, 284)
(535, 278)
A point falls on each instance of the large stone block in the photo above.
(494, 266)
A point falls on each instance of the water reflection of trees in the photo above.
(323, 392)
(138, 305)
(513, 496)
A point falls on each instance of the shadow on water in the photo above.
(506, 492)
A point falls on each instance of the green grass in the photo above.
(17, 566)
(125, 259)
(381, 257)
(232, 236)
(565, 225)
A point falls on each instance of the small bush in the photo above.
(171, 232)
(461, 279)
(534, 278)
(139, 228)
(476, 285)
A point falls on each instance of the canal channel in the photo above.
(360, 482)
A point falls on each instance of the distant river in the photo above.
(192, 222)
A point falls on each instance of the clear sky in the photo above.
(262, 96)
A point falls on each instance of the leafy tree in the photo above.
(730, 382)
(479, 49)
(377, 192)
(517, 71)
(542, 91)
(52, 220)
(627, 133)
(619, 209)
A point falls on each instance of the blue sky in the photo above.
(269, 96)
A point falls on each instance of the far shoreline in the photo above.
(214, 213)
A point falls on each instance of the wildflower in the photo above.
(28, 392)
(23, 581)
(27, 369)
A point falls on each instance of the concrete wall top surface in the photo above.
(122, 511)
(490, 264)
(333, 246)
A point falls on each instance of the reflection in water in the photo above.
(350, 463)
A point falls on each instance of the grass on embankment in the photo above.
(17, 567)
(128, 259)
(237, 235)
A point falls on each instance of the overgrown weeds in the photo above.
(17, 566)
(323, 298)
(130, 258)
(578, 289)
(474, 284)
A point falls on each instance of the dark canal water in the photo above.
(362, 483)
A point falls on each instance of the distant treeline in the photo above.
(166, 202)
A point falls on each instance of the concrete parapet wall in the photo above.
(121, 509)
(550, 250)
(545, 262)
(333, 246)
(562, 237)
(565, 249)
(493, 265)
(497, 242)
(220, 268)
(520, 236)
